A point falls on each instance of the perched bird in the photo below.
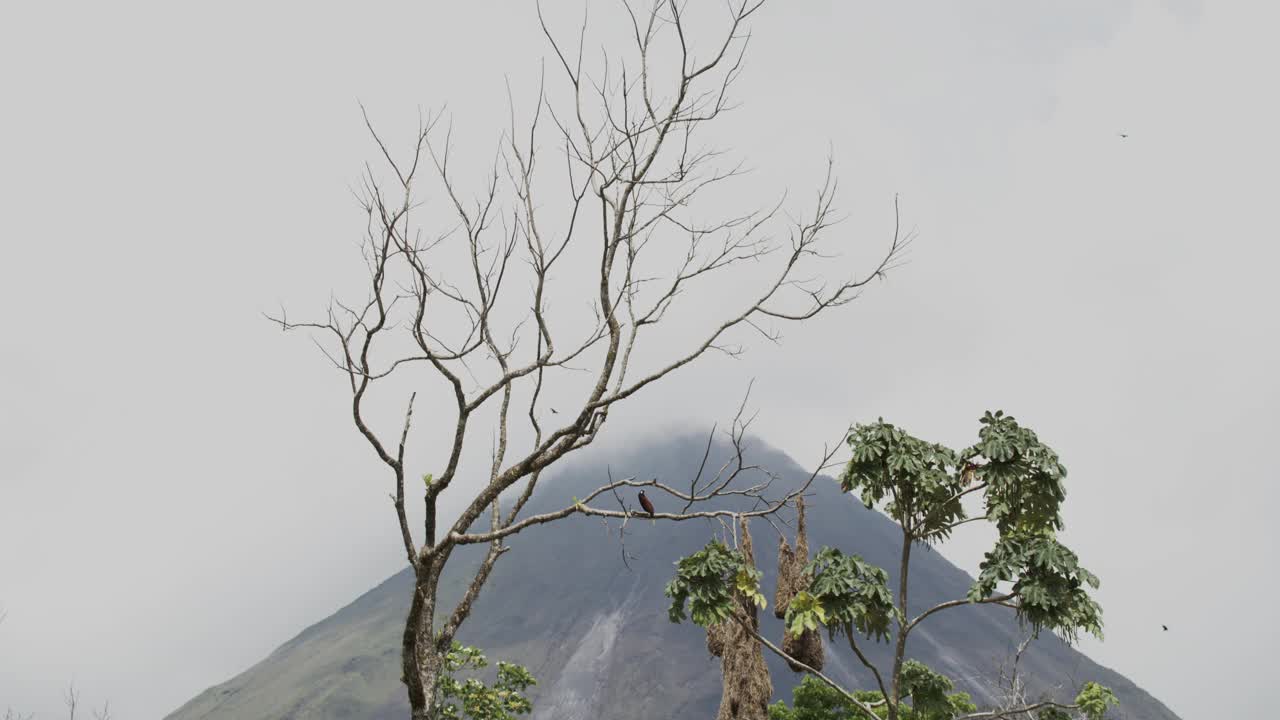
(648, 507)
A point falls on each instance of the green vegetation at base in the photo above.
(814, 700)
(473, 699)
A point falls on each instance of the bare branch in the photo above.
(405, 534)
(995, 600)
(717, 490)
(1024, 710)
(866, 709)
(71, 698)
(853, 645)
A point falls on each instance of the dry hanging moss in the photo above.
(788, 578)
(802, 536)
(715, 639)
(806, 647)
(791, 564)
(747, 687)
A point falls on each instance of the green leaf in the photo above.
(846, 595)
(501, 701)
(1094, 699)
(706, 582)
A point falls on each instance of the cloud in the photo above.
(182, 489)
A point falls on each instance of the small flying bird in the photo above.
(648, 507)
(553, 411)
(1123, 135)
(1166, 628)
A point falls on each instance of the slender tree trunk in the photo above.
(420, 660)
(901, 649)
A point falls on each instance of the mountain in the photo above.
(594, 630)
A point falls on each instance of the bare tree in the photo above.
(10, 713)
(628, 139)
(72, 699)
(1014, 700)
(1010, 687)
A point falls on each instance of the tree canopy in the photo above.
(922, 486)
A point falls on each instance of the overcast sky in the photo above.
(181, 489)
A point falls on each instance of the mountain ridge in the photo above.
(594, 630)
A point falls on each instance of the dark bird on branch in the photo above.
(648, 506)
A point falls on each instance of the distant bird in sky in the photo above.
(1166, 628)
(1123, 135)
(648, 506)
(553, 411)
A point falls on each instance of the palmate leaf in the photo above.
(705, 583)
(1024, 476)
(918, 480)
(845, 594)
(1049, 582)
(927, 689)
(1094, 699)
(805, 612)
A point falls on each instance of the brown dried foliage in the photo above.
(788, 578)
(747, 687)
(806, 647)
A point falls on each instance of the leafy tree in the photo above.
(921, 486)
(813, 699)
(503, 700)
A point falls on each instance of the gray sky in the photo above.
(180, 486)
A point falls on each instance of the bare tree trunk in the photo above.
(420, 658)
(431, 666)
(411, 658)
